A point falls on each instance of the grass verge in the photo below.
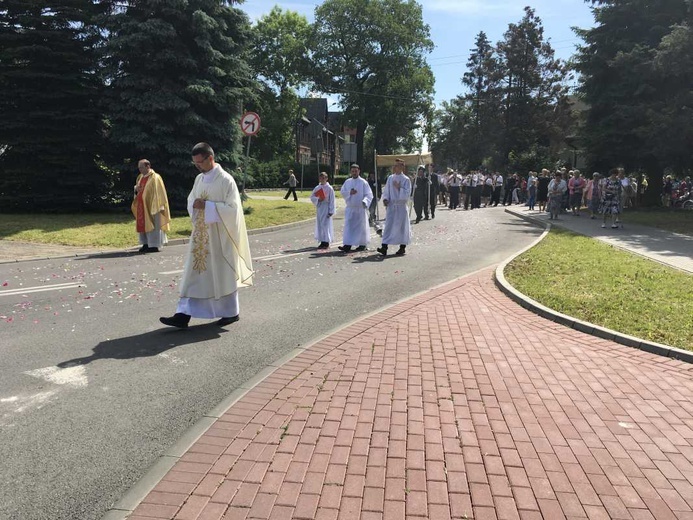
(102, 230)
(597, 283)
(679, 221)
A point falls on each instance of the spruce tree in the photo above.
(51, 129)
(622, 87)
(178, 75)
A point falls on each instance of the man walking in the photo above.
(150, 208)
(396, 195)
(323, 199)
(422, 186)
(435, 188)
(291, 182)
(358, 196)
(218, 260)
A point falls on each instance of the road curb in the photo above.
(134, 251)
(574, 323)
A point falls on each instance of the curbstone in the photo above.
(574, 323)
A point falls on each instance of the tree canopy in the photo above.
(372, 53)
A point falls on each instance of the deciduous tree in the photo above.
(372, 53)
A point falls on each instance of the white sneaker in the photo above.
(603, 225)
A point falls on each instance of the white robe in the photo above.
(324, 228)
(356, 230)
(397, 191)
(218, 260)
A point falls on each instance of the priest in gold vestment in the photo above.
(218, 260)
(150, 208)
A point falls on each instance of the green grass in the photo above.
(679, 221)
(594, 282)
(118, 230)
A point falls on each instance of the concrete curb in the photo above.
(574, 323)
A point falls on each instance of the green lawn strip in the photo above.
(679, 221)
(118, 230)
(597, 283)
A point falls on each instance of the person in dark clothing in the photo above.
(376, 188)
(433, 194)
(422, 186)
(509, 187)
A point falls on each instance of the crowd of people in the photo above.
(560, 192)
(219, 238)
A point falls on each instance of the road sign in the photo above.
(250, 123)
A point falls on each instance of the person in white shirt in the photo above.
(324, 200)
(218, 260)
(395, 198)
(358, 196)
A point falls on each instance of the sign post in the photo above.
(250, 126)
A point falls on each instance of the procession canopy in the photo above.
(411, 159)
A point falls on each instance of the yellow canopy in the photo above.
(410, 159)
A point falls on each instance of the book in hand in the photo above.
(320, 194)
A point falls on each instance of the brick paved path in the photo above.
(455, 404)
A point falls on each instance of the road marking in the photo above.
(23, 403)
(276, 256)
(41, 288)
(71, 376)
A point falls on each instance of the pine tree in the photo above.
(533, 86)
(482, 81)
(178, 75)
(621, 86)
(51, 131)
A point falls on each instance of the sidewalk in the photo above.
(457, 403)
(662, 246)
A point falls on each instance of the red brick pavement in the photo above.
(455, 404)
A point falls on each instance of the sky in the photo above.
(454, 25)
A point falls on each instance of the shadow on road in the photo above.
(116, 254)
(147, 344)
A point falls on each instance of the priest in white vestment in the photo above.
(358, 196)
(396, 195)
(324, 201)
(218, 260)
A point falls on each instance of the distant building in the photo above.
(320, 135)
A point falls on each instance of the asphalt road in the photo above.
(93, 389)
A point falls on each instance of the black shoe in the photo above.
(143, 249)
(432, 216)
(361, 248)
(223, 322)
(418, 219)
(179, 320)
(324, 245)
(152, 250)
(344, 249)
(426, 217)
(382, 250)
(401, 251)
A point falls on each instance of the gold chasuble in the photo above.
(218, 261)
(154, 200)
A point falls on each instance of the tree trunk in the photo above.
(360, 136)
